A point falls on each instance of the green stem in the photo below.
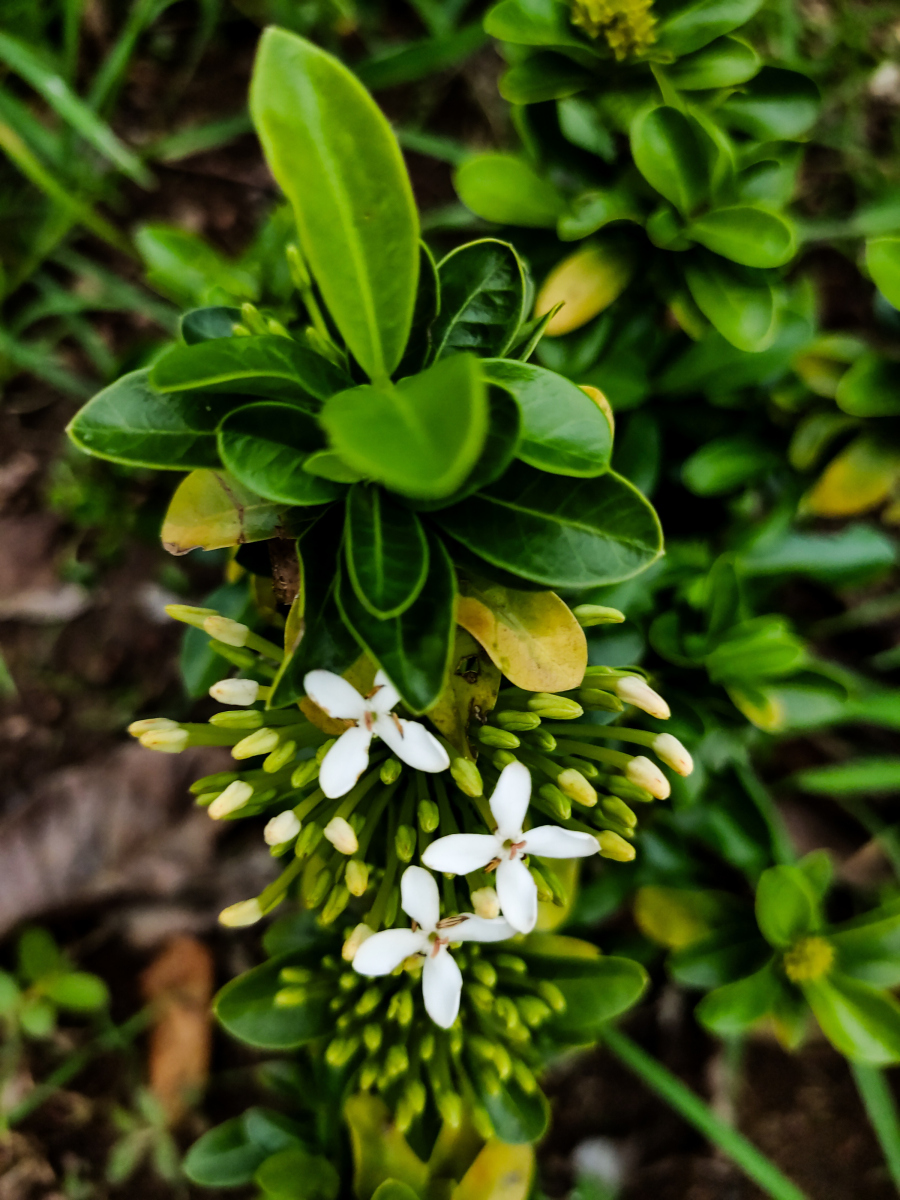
(881, 1109)
(782, 850)
(687, 1104)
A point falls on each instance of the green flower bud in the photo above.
(401, 1008)
(451, 1108)
(390, 909)
(349, 981)
(544, 890)
(397, 1062)
(405, 842)
(484, 973)
(618, 810)
(262, 741)
(560, 805)
(296, 975)
(481, 1120)
(551, 993)
(541, 739)
(624, 788)
(502, 1060)
(502, 758)
(517, 721)
(428, 815)
(305, 773)
(356, 877)
(576, 787)
(524, 1077)
(238, 719)
(512, 962)
(615, 847)
(320, 888)
(340, 1051)
(323, 749)
(368, 1001)
(213, 783)
(368, 1075)
(390, 771)
(280, 758)
(499, 739)
(189, 614)
(490, 1081)
(372, 1036)
(595, 698)
(480, 996)
(426, 1047)
(554, 708)
(596, 614)
(467, 777)
(310, 836)
(533, 1011)
(337, 901)
(291, 997)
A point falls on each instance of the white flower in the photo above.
(281, 829)
(634, 690)
(461, 853)
(673, 754)
(349, 756)
(441, 977)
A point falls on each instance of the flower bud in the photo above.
(368, 1075)
(554, 708)
(542, 739)
(235, 691)
(223, 629)
(319, 889)
(324, 748)
(189, 614)
(428, 816)
(452, 1109)
(485, 902)
(620, 786)
(390, 771)
(524, 1077)
(512, 962)
(234, 797)
(596, 614)
(517, 721)
(291, 997)
(401, 1008)
(397, 1062)
(481, 996)
(574, 785)
(673, 754)
(235, 719)
(499, 739)
(596, 698)
(213, 783)
(634, 690)
(405, 842)
(310, 836)
(502, 758)
(533, 1011)
(372, 1037)
(261, 741)
(340, 833)
(615, 847)
(245, 912)
(340, 1051)
(152, 725)
(552, 994)
(467, 777)
(484, 972)
(360, 934)
(618, 810)
(305, 773)
(560, 805)
(281, 829)
(356, 877)
(280, 757)
(166, 741)
(647, 774)
(544, 890)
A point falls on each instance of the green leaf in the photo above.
(229, 1155)
(736, 299)
(883, 264)
(427, 306)
(871, 388)
(563, 430)
(533, 23)
(859, 1021)
(591, 210)
(295, 1174)
(420, 437)
(393, 1189)
(508, 191)
(725, 62)
(787, 906)
(730, 1010)
(210, 510)
(264, 447)
(483, 297)
(543, 76)
(418, 60)
(746, 235)
(870, 951)
(203, 324)
(266, 365)
(864, 776)
(727, 463)
(246, 1008)
(38, 954)
(760, 648)
(338, 162)
(10, 993)
(78, 991)
(517, 1116)
(188, 270)
(596, 990)
(776, 104)
(414, 649)
(130, 422)
(558, 531)
(37, 1017)
(380, 1151)
(580, 123)
(386, 551)
(674, 153)
(696, 25)
(731, 951)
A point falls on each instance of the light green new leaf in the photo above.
(675, 155)
(508, 191)
(264, 447)
(746, 235)
(860, 1021)
(696, 25)
(786, 905)
(184, 267)
(883, 262)
(419, 437)
(533, 23)
(338, 162)
(731, 1009)
(725, 62)
(737, 300)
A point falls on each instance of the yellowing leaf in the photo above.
(210, 510)
(762, 708)
(585, 283)
(470, 692)
(531, 636)
(673, 917)
(380, 1151)
(602, 403)
(860, 478)
(500, 1172)
(551, 916)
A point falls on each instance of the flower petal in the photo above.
(550, 841)
(412, 742)
(461, 853)
(518, 894)
(509, 802)
(382, 952)
(386, 697)
(441, 987)
(345, 762)
(334, 695)
(479, 929)
(419, 897)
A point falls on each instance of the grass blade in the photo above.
(881, 1109)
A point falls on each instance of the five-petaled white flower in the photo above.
(349, 756)
(460, 853)
(441, 977)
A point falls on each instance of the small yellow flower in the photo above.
(627, 25)
(808, 959)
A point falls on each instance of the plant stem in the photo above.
(779, 839)
(687, 1104)
(881, 1109)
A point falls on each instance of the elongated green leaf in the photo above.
(727, 463)
(745, 235)
(246, 1008)
(883, 262)
(786, 905)
(723, 63)
(737, 300)
(271, 366)
(775, 104)
(858, 778)
(264, 446)
(558, 531)
(731, 1009)
(415, 648)
(508, 191)
(386, 551)
(483, 293)
(533, 23)
(543, 76)
(338, 162)
(563, 430)
(696, 25)
(130, 422)
(674, 153)
(182, 266)
(427, 306)
(870, 951)
(420, 437)
(295, 1174)
(860, 1021)
(517, 1116)
(596, 990)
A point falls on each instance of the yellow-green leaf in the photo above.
(585, 283)
(210, 510)
(470, 693)
(500, 1172)
(860, 478)
(380, 1151)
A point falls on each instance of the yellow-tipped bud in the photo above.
(596, 614)
(223, 629)
(615, 847)
(673, 754)
(189, 614)
(340, 833)
(234, 797)
(166, 741)
(245, 912)
(357, 877)
(240, 692)
(261, 741)
(647, 774)
(634, 690)
(281, 829)
(151, 725)
(576, 787)
(360, 934)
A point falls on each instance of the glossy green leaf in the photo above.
(557, 531)
(77, 990)
(859, 1021)
(386, 551)
(849, 555)
(725, 62)
(737, 300)
(414, 649)
(871, 388)
(420, 437)
(203, 324)
(517, 1116)
(775, 104)
(483, 296)
(596, 991)
(674, 153)
(591, 210)
(787, 906)
(864, 776)
(870, 950)
(508, 191)
(581, 124)
(731, 1009)
(759, 648)
(427, 307)
(266, 365)
(533, 23)
(187, 269)
(338, 162)
(746, 235)
(696, 25)
(264, 445)
(883, 263)
(130, 422)
(563, 430)
(727, 463)
(295, 1174)
(229, 1155)
(730, 952)
(543, 76)
(246, 1008)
